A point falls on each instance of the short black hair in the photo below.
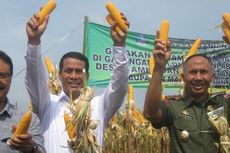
(196, 55)
(76, 55)
(7, 60)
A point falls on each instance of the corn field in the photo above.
(129, 132)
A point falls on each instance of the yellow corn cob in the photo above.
(49, 64)
(151, 65)
(194, 47)
(130, 92)
(183, 56)
(23, 125)
(30, 106)
(114, 119)
(226, 30)
(69, 126)
(226, 18)
(164, 30)
(136, 114)
(46, 10)
(115, 13)
(111, 21)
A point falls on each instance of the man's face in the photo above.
(197, 76)
(71, 76)
(5, 79)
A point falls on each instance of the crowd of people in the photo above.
(186, 117)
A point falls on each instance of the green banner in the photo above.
(99, 52)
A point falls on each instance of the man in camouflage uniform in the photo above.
(186, 116)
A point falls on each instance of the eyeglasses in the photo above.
(4, 75)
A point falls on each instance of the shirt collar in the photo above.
(63, 97)
(188, 100)
(212, 100)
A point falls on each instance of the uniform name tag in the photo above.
(216, 113)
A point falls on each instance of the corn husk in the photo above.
(53, 83)
(130, 133)
(85, 139)
(220, 124)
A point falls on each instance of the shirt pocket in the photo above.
(188, 126)
(182, 124)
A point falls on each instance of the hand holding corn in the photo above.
(34, 30)
(119, 24)
(21, 140)
(116, 17)
(38, 23)
(162, 48)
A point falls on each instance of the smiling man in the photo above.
(50, 108)
(186, 117)
(32, 142)
(71, 68)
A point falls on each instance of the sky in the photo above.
(189, 19)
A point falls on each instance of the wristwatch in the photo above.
(35, 148)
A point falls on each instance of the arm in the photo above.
(36, 75)
(115, 92)
(161, 54)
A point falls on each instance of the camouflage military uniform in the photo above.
(189, 128)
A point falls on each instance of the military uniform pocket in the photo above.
(185, 129)
(183, 123)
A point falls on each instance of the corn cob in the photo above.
(69, 126)
(226, 30)
(111, 21)
(164, 30)
(115, 13)
(114, 119)
(226, 18)
(46, 10)
(151, 65)
(49, 64)
(137, 115)
(130, 91)
(23, 125)
(194, 47)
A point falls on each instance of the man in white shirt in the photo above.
(50, 108)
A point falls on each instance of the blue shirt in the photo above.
(10, 115)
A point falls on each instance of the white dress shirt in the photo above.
(50, 108)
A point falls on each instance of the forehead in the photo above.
(73, 63)
(198, 62)
(4, 67)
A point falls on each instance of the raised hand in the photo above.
(34, 30)
(161, 52)
(117, 39)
